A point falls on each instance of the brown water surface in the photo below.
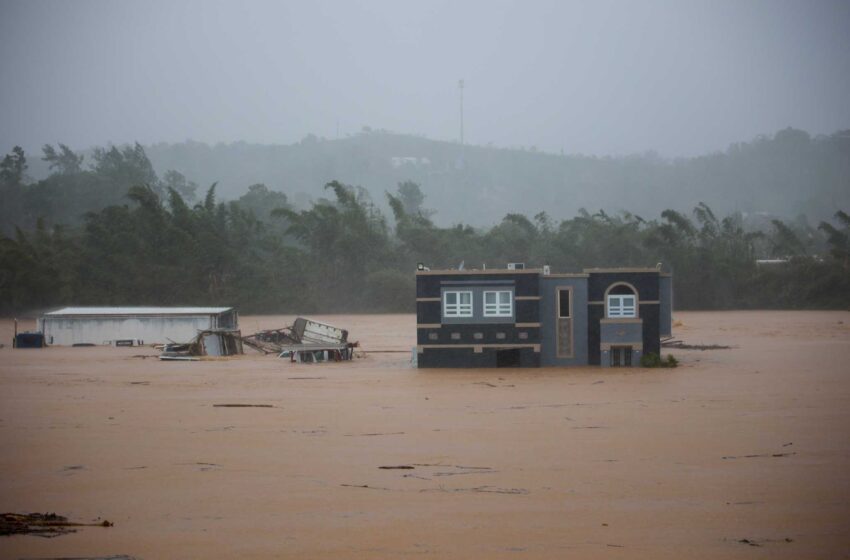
(748, 443)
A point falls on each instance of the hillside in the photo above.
(787, 174)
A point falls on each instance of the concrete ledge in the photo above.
(477, 348)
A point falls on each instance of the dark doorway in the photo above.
(621, 356)
(507, 358)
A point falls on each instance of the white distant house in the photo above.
(399, 161)
(143, 325)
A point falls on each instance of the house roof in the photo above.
(100, 311)
(585, 272)
(467, 271)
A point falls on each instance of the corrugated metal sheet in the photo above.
(101, 311)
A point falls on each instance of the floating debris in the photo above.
(680, 345)
(760, 455)
(41, 524)
(241, 405)
(305, 341)
(209, 342)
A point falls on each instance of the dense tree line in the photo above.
(786, 173)
(115, 233)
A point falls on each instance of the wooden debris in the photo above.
(397, 467)
(305, 341)
(680, 345)
(41, 524)
(762, 542)
(760, 455)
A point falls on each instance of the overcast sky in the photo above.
(674, 76)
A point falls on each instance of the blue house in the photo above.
(519, 317)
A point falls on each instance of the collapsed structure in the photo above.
(209, 342)
(304, 341)
(519, 317)
(210, 331)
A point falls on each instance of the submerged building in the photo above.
(532, 318)
(142, 325)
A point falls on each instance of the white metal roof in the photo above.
(140, 311)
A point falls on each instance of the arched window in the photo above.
(621, 302)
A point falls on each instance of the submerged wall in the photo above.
(66, 331)
(553, 354)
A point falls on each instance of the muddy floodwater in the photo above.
(737, 453)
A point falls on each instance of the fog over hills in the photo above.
(463, 85)
(786, 174)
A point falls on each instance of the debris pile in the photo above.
(305, 341)
(210, 342)
(681, 345)
(41, 524)
(271, 341)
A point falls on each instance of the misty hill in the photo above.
(786, 174)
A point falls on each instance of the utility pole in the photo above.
(460, 87)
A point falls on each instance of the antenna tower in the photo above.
(460, 87)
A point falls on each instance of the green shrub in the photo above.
(653, 360)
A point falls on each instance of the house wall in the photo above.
(549, 286)
(468, 358)
(474, 341)
(621, 332)
(478, 288)
(227, 320)
(66, 331)
(651, 315)
(666, 308)
(648, 291)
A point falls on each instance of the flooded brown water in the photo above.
(747, 443)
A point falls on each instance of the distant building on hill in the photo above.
(399, 161)
(520, 317)
(142, 325)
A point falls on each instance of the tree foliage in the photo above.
(114, 233)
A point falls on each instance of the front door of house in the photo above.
(621, 356)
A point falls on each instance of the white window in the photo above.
(621, 306)
(498, 304)
(457, 304)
